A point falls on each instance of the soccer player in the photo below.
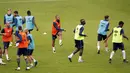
(30, 21)
(19, 20)
(1, 62)
(22, 45)
(118, 35)
(56, 31)
(7, 37)
(9, 19)
(79, 37)
(102, 33)
(30, 49)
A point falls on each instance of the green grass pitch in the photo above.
(70, 11)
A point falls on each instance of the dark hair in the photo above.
(19, 27)
(16, 12)
(106, 16)
(28, 12)
(121, 22)
(82, 21)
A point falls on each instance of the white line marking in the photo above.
(9, 2)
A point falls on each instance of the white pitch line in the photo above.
(9, 2)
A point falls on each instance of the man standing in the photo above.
(118, 34)
(22, 45)
(56, 31)
(79, 37)
(30, 22)
(102, 33)
(7, 38)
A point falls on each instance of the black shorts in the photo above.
(22, 51)
(79, 44)
(117, 46)
(6, 45)
(30, 52)
(54, 37)
(101, 37)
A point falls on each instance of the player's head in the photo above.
(15, 13)
(57, 17)
(9, 11)
(28, 12)
(26, 31)
(121, 23)
(83, 22)
(7, 25)
(20, 28)
(106, 17)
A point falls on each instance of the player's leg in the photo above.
(75, 51)
(25, 54)
(19, 53)
(11, 43)
(30, 30)
(33, 59)
(1, 62)
(115, 47)
(6, 46)
(123, 52)
(60, 38)
(99, 38)
(53, 43)
(81, 51)
(106, 43)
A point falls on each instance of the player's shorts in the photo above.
(22, 51)
(30, 52)
(79, 44)
(54, 37)
(117, 46)
(101, 37)
(6, 45)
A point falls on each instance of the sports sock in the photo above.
(124, 54)
(26, 62)
(53, 48)
(34, 60)
(71, 55)
(80, 57)
(98, 45)
(106, 48)
(60, 42)
(7, 57)
(18, 62)
(111, 55)
(0, 60)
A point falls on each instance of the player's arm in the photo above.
(2, 32)
(80, 33)
(23, 20)
(59, 29)
(107, 27)
(29, 39)
(20, 38)
(108, 36)
(35, 24)
(74, 30)
(124, 36)
(14, 22)
(4, 20)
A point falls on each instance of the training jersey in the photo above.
(103, 27)
(29, 22)
(9, 19)
(19, 21)
(8, 34)
(77, 35)
(117, 35)
(31, 45)
(56, 28)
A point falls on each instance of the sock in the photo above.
(106, 48)
(34, 60)
(60, 42)
(124, 54)
(7, 57)
(111, 55)
(80, 57)
(71, 55)
(26, 62)
(53, 48)
(0, 60)
(31, 64)
(98, 45)
(18, 62)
